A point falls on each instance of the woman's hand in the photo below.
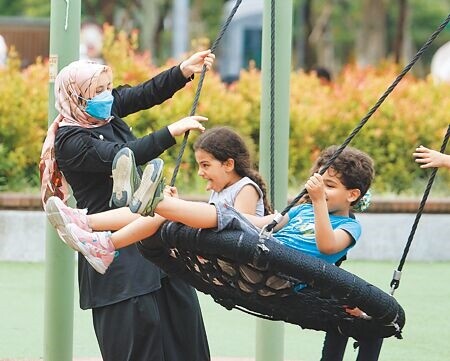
(183, 125)
(194, 64)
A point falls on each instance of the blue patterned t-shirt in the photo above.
(299, 232)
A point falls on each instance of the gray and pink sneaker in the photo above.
(125, 177)
(96, 247)
(72, 227)
(60, 215)
(150, 191)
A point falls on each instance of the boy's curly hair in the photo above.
(353, 167)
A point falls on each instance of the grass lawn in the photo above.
(424, 293)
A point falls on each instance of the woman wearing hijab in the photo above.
(158, 317)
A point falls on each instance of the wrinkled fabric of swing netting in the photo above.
(239, 269)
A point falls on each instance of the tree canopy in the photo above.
(346, 24)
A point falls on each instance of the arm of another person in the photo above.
(154, 144)
(328, 241)
(129, 100)
(83, 150)
(260, 222)
(429, 158)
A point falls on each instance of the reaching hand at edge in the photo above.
(429, 158)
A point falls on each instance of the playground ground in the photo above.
(424, 293)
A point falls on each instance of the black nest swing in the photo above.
(242, 270)
(258, 275)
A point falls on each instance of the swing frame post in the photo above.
(65, 20)
(274, 136)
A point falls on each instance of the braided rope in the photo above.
(396, 280)
(199, 89)
(272, 103)
(364, 120)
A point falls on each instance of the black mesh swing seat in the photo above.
(263, 277)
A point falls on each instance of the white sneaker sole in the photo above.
(149, 182)
(54, 213)
(58, 220)
(122, 173)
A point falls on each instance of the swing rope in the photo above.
(268, 228)
(397, 273)
(199, 89)
(272, 103)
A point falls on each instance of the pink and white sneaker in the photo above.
(96, 247)
(60, 215)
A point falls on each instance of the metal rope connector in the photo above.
(267, 230)
(398, 330)
(395, 281)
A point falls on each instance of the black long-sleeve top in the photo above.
(85, 157)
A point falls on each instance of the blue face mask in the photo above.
(100, 106)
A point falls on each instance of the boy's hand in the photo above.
(183, 125)
(315, 187)
(194, 64)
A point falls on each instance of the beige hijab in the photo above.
(74, 82)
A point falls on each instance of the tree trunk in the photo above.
(371, 39)
(108, 7)
(308, 51)
(400, 36)
(406, 50)
(322, 39)
(149, 21)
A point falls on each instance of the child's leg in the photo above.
(136, 231)
(201, 215)
(192, 214)
(99, 247)
(61, 215)
(112, 220)
(149, 198)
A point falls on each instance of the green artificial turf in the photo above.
(424, 293)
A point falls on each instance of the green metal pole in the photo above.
(270, 334)
(65, 21)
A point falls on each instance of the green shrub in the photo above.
(415, 113)
(23, 119)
